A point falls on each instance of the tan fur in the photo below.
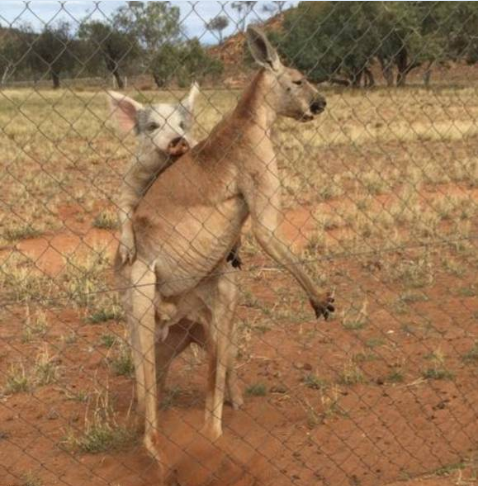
(138, 177)
(157, 149)
(193, 214)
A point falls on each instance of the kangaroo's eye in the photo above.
(298, 82)
(151, 127)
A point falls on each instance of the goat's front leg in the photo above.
(264, 204)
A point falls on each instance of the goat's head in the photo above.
(163, 127)
(290, 94)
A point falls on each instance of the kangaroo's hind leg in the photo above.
(233, 389)
(179, 337)
(222, 302)
(143, 280)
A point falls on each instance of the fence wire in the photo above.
(119, 144)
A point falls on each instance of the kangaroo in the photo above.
(192, 216)
(163, 132)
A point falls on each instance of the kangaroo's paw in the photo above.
(211, 432)
(323, 307)
(234, 396)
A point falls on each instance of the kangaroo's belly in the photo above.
(192, 242)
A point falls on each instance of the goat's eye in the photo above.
(151, 127)
(298, 82)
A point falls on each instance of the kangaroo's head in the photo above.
(161, 127)
(290, 94)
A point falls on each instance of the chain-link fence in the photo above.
(365, 186)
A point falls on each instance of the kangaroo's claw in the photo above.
(324, 307)
(234, 259)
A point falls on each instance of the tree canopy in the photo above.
(339, 42)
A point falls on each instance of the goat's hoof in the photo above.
(323, 307)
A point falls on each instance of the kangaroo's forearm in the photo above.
(278, 249)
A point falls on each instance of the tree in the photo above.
(243, 9)
(52, 51)
(312, 41)
(460, 21)
(401, 36)
(12, 49)
(155, 25)
(183, 63)
(218, 24)
(411, 36)
(108, 45)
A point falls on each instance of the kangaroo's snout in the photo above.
(318, 106)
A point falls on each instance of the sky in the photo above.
(194, 14)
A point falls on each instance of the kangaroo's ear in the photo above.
(261, 49)
(190, 100)
(124, 110)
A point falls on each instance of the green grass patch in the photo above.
(107, 220)
(256, 390)
(314, 382)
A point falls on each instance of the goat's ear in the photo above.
(261, 49)
(124, 110)
(190, 100)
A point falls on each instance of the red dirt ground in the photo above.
(379, 431)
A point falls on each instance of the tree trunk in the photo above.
(356, 78)
(55, 77)
(340, 81)
(401, 78)
(404, 67)
(388, 75)
(5, 74)
(118, 78)
(158, 80)
(387, 71)
(402, 63)
(428, 74)
(369, 79)
(404, 72)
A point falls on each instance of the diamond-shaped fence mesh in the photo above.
(180, 211)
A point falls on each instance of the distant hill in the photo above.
(231, 53)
